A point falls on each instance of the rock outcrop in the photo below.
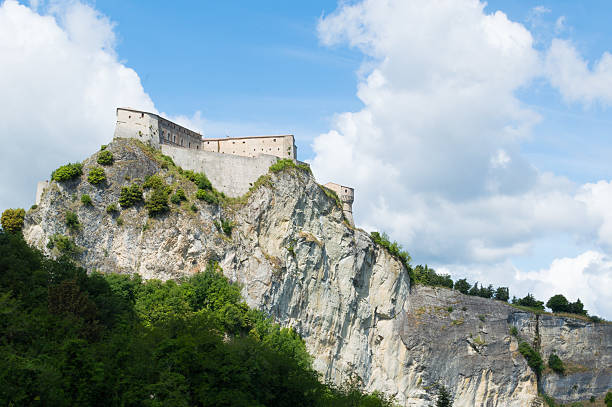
(299, 260)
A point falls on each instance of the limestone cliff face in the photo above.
(299, 261)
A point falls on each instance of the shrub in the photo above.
(529, 301)
(428, 276)
(534, 360)
(287, 163)
(513, 331)
(157, 202)
(178, 196)
(67, 172)
(198, 178)
(555, 363)
(33, 207)
(444, 397)
(225, 226)
(96, 176)
(394, 248)
(12, 220)
(72, 221)
(153, 182)
(207, 196)
(608, 399)
(193, 208)
(105, 158)
(112, 209)
(103, 147)
(130, 196)
(119, 221)
(64, 245)
(86, 200)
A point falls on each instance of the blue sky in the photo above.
(476, 135)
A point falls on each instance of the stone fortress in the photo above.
(232, 164)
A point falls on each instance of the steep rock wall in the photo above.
(301, 263)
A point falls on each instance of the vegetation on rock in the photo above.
(178, 197)
(287, 163)
(157, 203)
(72, 221)
(12, 220)
(96, 176)
(555, 363)
(73, 339)
(63, 246)
(105, 158)
(533, 357)
(86, 200)
(130, 196)
(67, 172)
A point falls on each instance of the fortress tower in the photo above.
(347, 196)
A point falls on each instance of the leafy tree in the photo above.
(577, 308)
(428, 276)
(12, 220)
(558, 303)
(502, 294)
(67, 172)
(96, 176)
(555, 363)
(462, 286)
(105, 157)
(529, 301)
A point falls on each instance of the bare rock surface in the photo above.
(298, 260)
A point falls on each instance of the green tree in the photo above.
(502, 294)
(12, 220)
(462, 286)
(534, 360)
(529, 301)
(558, 303)
(444, 397)
(86, 200)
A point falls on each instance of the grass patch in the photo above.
(288, 164)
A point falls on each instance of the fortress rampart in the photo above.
(231, 164)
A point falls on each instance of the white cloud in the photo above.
(434, 154)
(587, 276)
(60, 81)
(570, 73)
(560, 24)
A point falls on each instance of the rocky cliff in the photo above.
(298, 260)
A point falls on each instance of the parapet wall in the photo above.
(231, 174)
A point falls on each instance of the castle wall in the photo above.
(280, 146)
(40, 188)
(138, 125)
(231, 174)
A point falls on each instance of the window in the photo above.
(275, 140)
(141, 115)
(129, 117)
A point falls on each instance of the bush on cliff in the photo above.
(130, 196)
(67, 172)
(12, 220)
(75, 339)
(105, 157)
(556, 364)
(96, 176)
(534, 360)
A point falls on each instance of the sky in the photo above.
(475, 134)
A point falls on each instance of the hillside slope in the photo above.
(351, 301)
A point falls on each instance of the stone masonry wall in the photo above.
(231, 174)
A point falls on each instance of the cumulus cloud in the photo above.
(434, 154)
(569, 72)
(61, 81)
(587, 276)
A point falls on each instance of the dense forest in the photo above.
(69, 338)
